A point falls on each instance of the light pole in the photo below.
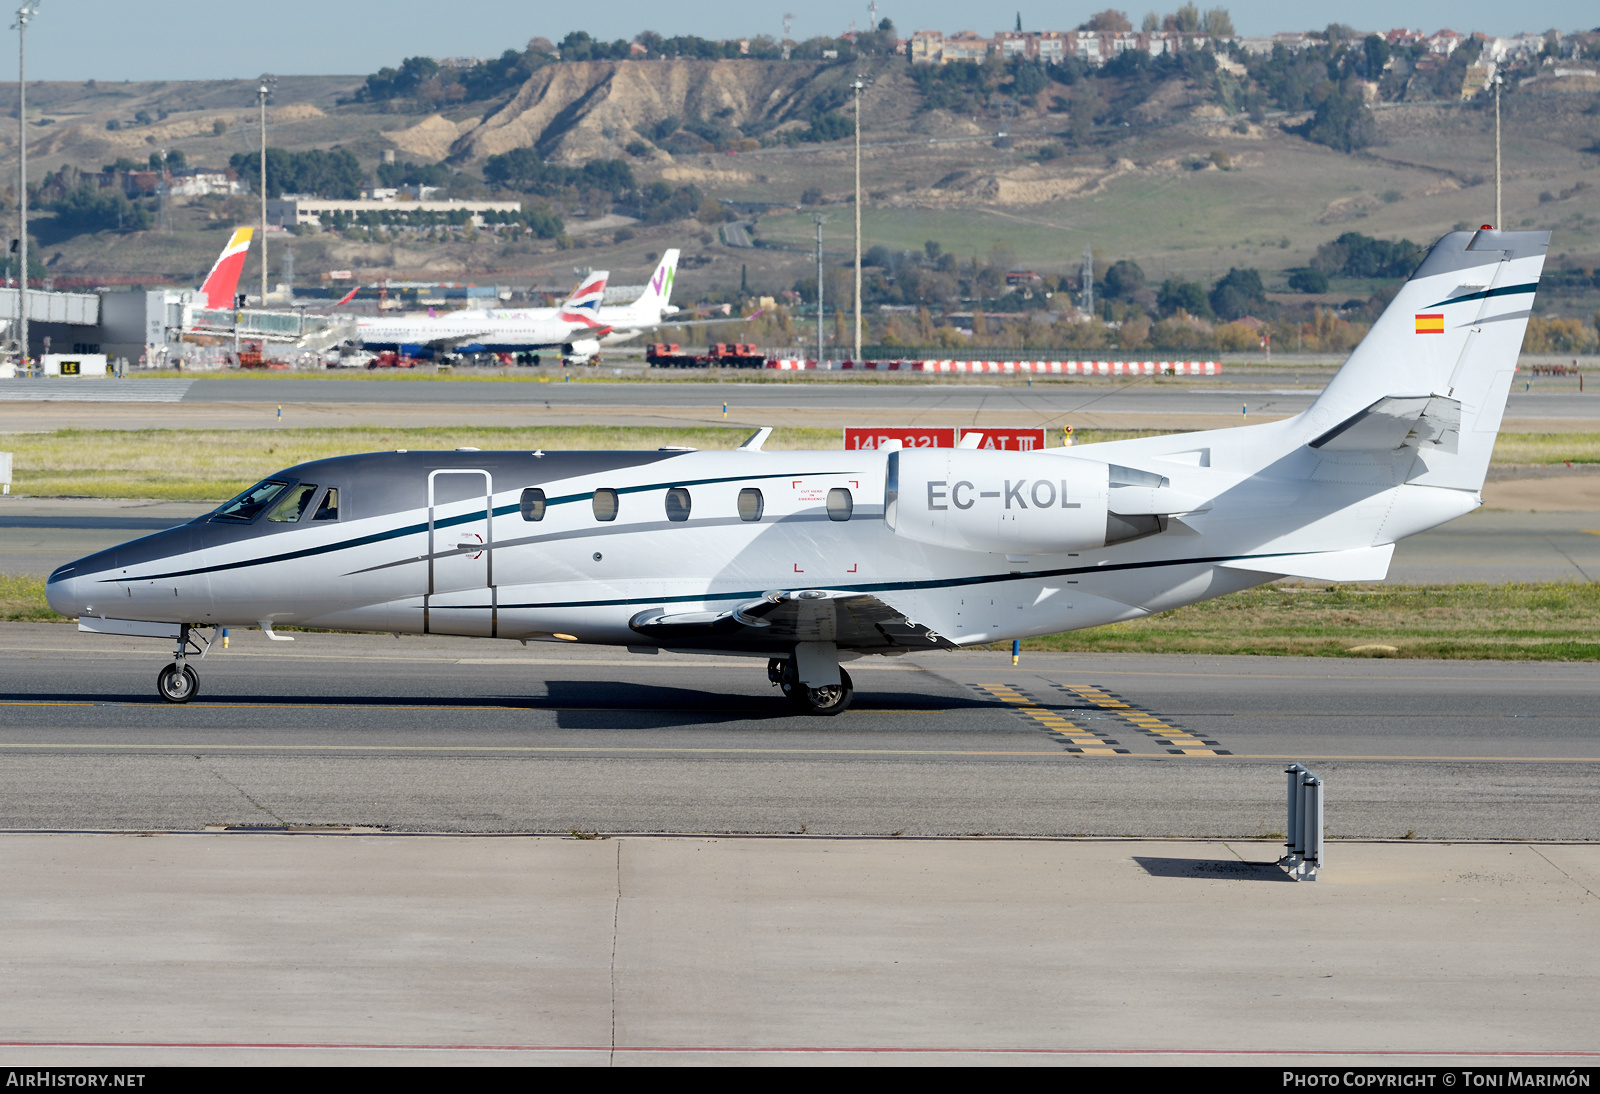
(857, 86)
(820, 221)
(1499, 223)
(262, 92)
(25, 15)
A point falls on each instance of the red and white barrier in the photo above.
(1050, 368)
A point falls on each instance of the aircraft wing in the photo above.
(451, 341)
(852, 620)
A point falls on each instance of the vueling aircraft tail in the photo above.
(223, 279)
(1435, 370)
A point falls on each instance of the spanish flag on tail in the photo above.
(1430, 324)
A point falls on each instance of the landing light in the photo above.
(567, 637)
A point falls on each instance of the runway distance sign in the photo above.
(859, 438)
(1009, 440)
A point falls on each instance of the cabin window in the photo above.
(292, 503)
(605, 504)
(329, 509)
(840, 504)
(533, 504)
(678, 504)
(248, 505)
(750, 504)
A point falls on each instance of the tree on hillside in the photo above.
(1109, 21)
(1189, 296)
(1217, 23)
(1123, 279)
(523, 170)
(1186, 20)
(87, 208)
(1237, 293)
(1357, 255)
(1342, 122)
(327, 174)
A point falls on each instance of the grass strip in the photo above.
(213, 465)
(22, 600)
(1550, 621)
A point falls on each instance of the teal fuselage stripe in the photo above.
(1485, 294)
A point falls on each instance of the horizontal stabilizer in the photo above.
(1356, 564)
(1398, 421)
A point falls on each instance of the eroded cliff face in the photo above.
(576, 112)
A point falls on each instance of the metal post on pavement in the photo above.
(1304, 823)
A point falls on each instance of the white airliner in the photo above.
(575, 327)
(810, 558)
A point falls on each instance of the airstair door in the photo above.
(461, 593)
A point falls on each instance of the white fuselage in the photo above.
(453, 569)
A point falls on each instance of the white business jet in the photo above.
(574, 327)
(813, 558)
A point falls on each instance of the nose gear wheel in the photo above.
(177, 685)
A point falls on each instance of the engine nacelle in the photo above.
(1017, 503)
(581, 351)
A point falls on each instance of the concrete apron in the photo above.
(237, 948)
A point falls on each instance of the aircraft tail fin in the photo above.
(583, 306)
(223, 280)
(1435, 371)
(657, 295)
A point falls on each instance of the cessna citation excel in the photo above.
(813, 558)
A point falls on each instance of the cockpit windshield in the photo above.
(248, 505)
(292, 503)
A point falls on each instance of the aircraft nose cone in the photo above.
(61, 591)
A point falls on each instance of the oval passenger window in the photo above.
(750, 504)
(678, 502)
(533, 504)
(840, 504)
(605, 504)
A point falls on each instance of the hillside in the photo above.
(1167, 177)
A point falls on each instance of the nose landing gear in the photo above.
(178, 683)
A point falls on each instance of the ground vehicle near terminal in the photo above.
(813, 558)
(719, 355)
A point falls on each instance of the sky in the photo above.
(191, 39)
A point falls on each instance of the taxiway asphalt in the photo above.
(1153, 403)
(434, 734)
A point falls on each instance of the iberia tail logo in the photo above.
(223, 279)
(1430, 324)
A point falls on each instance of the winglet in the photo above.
(754, 442)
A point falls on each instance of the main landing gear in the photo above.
(813, 680)
(178, 683)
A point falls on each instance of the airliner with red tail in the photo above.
(223, 280)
